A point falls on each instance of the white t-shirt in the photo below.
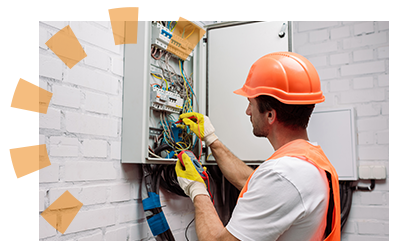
(286, 199)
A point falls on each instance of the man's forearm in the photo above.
(208, 225)
(234, 170)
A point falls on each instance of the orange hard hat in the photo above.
(286, 76)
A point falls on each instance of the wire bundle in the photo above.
(181, 84)
(152, 206)
(168, 125)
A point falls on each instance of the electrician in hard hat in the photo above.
(294, 194)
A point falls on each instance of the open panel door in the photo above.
(227, 69)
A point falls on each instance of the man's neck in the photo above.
(281, 135)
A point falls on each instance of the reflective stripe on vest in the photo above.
(313, 154)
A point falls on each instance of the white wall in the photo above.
(82, 132)
(352, 59)
(82, 129)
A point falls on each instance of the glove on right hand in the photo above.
(200, 125)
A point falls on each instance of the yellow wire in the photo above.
(180, 68)
(190, 33)
(183, 147)
(174, 26)
(166, 83)
(186, 108)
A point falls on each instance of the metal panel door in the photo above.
(231, 50)
(333, 130)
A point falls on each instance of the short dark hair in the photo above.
(291, 115)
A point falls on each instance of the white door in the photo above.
(231, 50)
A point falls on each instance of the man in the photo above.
(294, 195)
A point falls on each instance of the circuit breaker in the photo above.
(163, 81)
(158, 86)
(164, 100)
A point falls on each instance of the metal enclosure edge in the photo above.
(135, 74)
(136, 96)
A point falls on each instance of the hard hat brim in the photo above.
(301, 101)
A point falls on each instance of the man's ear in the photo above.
(271, 116)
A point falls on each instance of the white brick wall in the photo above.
(82, 131)
(352, 59)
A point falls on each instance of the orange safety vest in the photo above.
(314, 155)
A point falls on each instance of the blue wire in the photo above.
(185, 78)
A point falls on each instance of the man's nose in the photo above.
(248, 110)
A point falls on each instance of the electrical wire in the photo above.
(187, 227)
(190, 33)
(184, 28)
(169, 181)
(188, 83)
(155, 52)
(161, 78)
(184, 88)
(153, 154)
(151, 184)
(174, 26)
(346, 197)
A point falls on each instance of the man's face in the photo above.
(259, 121)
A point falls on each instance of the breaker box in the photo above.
(159, 85)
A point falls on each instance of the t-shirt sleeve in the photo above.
(268, 208)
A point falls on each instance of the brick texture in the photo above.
(82, 132)
(357, 75)
(82, 129)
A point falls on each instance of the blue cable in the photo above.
(185, 78)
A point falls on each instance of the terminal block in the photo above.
(164, 100)
(161, 37)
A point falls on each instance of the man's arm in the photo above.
(208, 225)
(234, 170)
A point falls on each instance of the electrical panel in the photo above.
(158, 86)
(165, 77)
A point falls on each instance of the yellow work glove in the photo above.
(200, 125)
(189, 179)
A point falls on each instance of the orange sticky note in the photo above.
(29, 159)
(66, 46)
(31, 97)
(62, 211)
(124, 23)
(185, 37)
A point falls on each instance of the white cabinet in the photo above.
(334, 131)
(217, 67)
(231, 50)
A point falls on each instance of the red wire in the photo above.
(201, 143)
(205, 173)
(208, 186)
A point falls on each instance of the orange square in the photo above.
(30, 97)
(62, 212)
(67, 47)
(29, 159)
(185, 37)
(124, 23)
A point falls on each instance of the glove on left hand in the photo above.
(189, 179)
